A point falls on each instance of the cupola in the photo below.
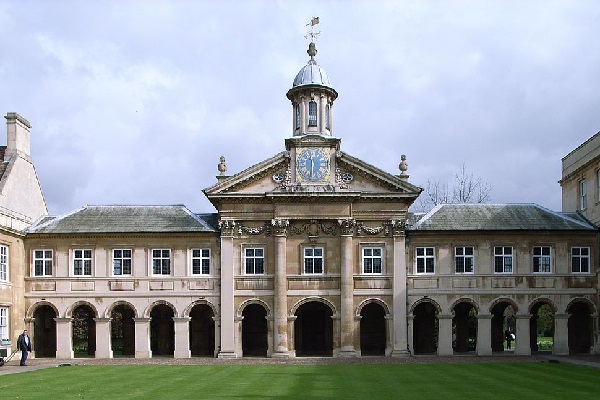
(312, 98)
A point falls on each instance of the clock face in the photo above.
(313, 164)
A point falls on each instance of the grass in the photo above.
(421, 381)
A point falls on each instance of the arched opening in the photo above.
(162, 331)
(372, 330)
(122, 331)
(425, 329)
(464, 327)
(254, 331)
(580, 328)
(202, 331)
(44, 332)
(313, 330)
(84, 331)
(541, 327)
(503, 324)
(312, 113)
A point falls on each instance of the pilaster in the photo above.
(560, 347)
(142, 338)
(347, 290)
(182, 337)
(484, 335)
(445, 335)
(64, 338)
(280, 322)
(401, 343)
(103, 338)
(522, 339)
(228, 345)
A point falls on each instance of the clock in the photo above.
(313, 164)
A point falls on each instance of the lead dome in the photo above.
(312, 73)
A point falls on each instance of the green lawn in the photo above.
(421, 381)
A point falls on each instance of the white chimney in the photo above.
(17, 135)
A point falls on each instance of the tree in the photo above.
(466, 188)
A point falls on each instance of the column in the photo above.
(484, 335)
(321, 122)
(560, 347)
(103, 338)
(228, 349)
(237, 330)
(401, 344)
(336, 334)
(445, 335)
(522, 339)
(280, 320)
(303, 114)
(410, 346)
(347, 290)
(291, 338)
(356, 337)
(142, 338)
(64, 338)
(389, 329)
(182, 337)
(217, 335)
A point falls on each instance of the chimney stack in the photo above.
(17, 136)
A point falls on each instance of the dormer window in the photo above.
(327, 126)
(297, 115)
(312, 113)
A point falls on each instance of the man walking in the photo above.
(24, 344)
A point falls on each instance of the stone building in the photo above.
(310, 253)
(21, 203)
(580, 180)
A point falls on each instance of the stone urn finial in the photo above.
(403, 168)
(222, 167)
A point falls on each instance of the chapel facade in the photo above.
(311, 252)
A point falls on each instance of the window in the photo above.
(425, 260)
(582, 195)
(313, 260)
(327, 116)
(121, 262)
(42, 262)
(463, 260)
(312, 113)
(4, 263)
(503, 260)
(4, 323)
(161, 261)
(542, 259)
(297, 114)
(200, 261)
(372, 260)
(82, 262)
(254, 260)
(580, 260)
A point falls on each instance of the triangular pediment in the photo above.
(255, 179)
(273, 178)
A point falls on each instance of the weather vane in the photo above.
(312, 34)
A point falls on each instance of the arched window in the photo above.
(312, 113)
(327, 116)
(297, 112)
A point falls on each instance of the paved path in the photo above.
(12, 367)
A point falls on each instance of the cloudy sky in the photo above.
(133, 102)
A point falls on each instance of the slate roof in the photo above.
(127, 219)
(500, 217)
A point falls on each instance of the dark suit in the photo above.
(24, 345)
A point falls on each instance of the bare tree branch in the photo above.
(466, 188)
